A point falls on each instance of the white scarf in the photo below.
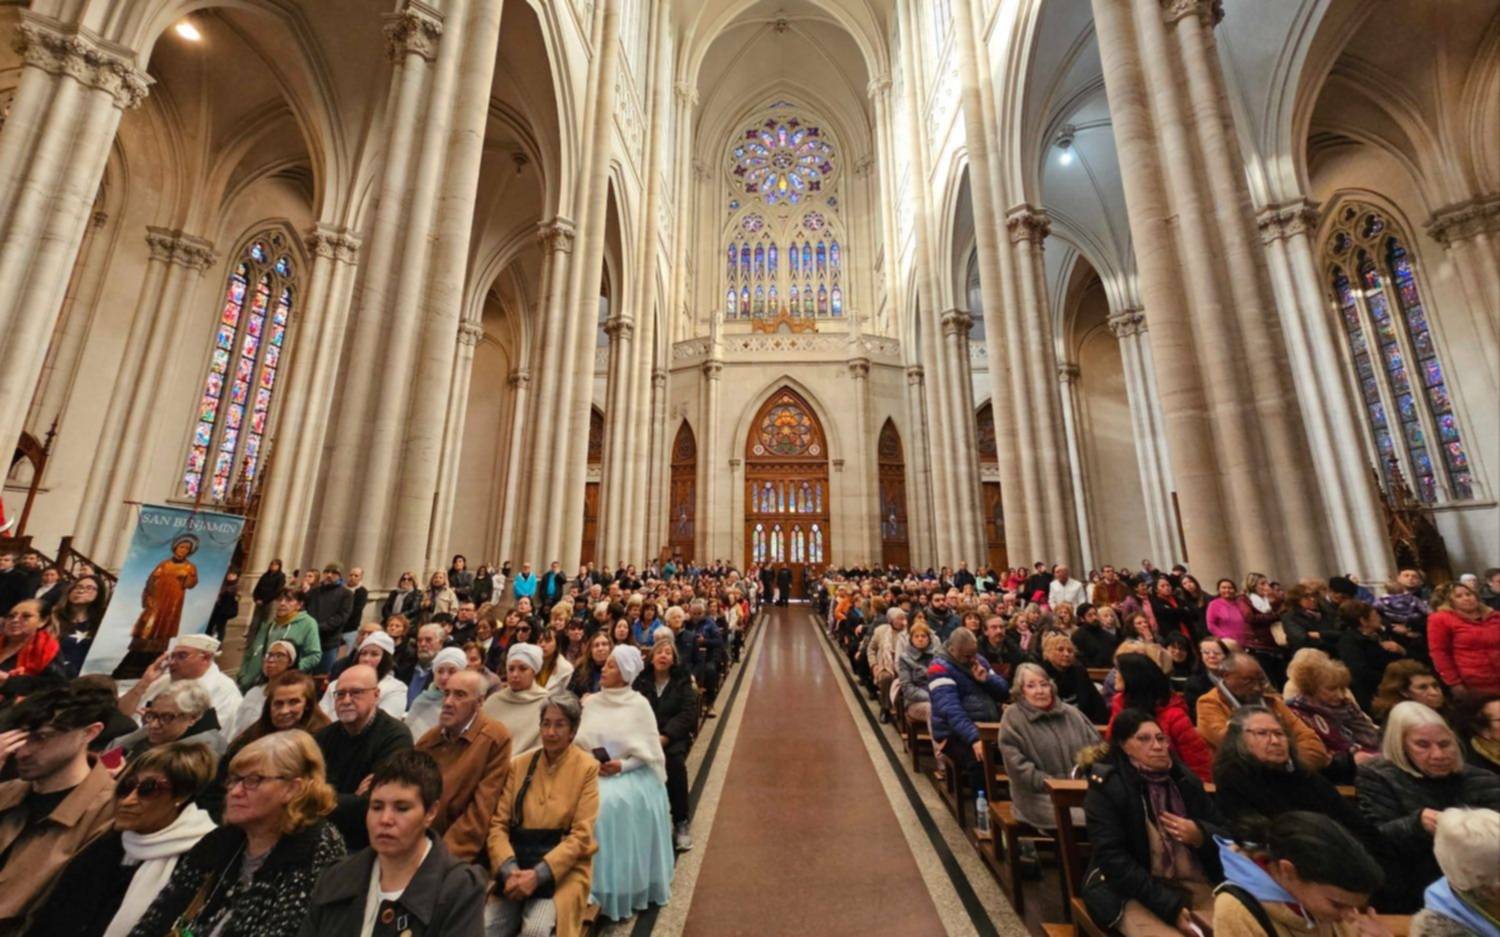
(521, 714)
(620, 720)
(1260, 602)
(157, 854)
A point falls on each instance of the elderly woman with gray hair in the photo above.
(1465, 902)
(183, 712)
(1040, 738)
(541, 840)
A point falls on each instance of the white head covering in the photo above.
(629, 660)
(197, 642)
(528, 654)
(289, 647)
(448, 655)
(383, 641)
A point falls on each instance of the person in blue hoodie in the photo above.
(963, 691)
(1299, 875)
(1465, 902)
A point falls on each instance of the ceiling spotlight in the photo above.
(1065, 144)
(188, 31)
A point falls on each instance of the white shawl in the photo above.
(521, 713)
(620, 721)
(157, 854)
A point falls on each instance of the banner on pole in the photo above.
(168, 586)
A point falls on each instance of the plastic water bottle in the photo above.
(982, 815)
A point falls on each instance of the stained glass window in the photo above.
(234, 409)
(1402, 386)
(783, 160)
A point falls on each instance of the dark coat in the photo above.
(88, 893)
(268, 586)
(274, 904)
(349, 759)
(1075, 687)
(676, 709)
(1260, 790)
(329, 603)
(1115, 808)
(1366, 661)
(1096, 647)
(406, 604)
(358, 599)
(445, 897)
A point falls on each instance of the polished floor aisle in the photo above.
(804, 839)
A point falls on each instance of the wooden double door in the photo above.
(787, 499)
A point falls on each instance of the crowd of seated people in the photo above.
(1307, 745)
(378, 778)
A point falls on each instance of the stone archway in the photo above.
(787, 500)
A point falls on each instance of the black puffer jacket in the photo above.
(1393, 801)
(676, 709)
(1116, 809)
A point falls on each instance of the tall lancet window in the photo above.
(234, 408)
(784, 250)
(1380, 302)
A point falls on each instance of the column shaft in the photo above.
(920, 495)
(512, 540)
(1067, 376)
(469, 336)
(529, 543)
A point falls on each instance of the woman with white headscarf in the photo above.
(634, 829)
(518, 704)
(425, 709)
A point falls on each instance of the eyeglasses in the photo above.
(1266, 733)
(146, 789)
(156, 718)
(353, 692)
(251, 782)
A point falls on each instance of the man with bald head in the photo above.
(362, 738)
(473, 752)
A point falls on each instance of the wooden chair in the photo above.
(1067, 794)
(1097, 674)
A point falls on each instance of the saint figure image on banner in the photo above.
(163, 597)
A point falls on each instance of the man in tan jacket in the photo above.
(473, 752)
(1242, 682)
(61, 801)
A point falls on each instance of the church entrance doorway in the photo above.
(787, 502)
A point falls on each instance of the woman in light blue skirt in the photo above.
(634, 865)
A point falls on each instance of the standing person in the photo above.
(359, 597)
(553, 584)
(289, 622)
(404, 600)
(60, 801)
(1064, 588)
(75, 621)
(407, 882)
(439, 599)
(473, 753)
(1463, 636)
(783, 585)
(524, 584)
(226, 606)
(252, 876)
(328, 603)
(669, 689)
(460, 578)
(363, 737)
(263, 596)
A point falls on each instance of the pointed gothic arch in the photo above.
(895, 540)
(682, 498)
(787, 499)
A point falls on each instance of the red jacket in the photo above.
(1187, 745)
(1466, 652)
(35, 655)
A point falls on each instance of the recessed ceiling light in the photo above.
(1064, 142)
(1065, 158)
(188, 31)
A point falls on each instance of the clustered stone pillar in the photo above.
(712, 526)
(515, 449)
(655, 526)
(1355, 520)
(73, 89)
(1146, 428)
(1067, 379)
(1470, 232)
(619, 419)
(470, 335)
(74, 321)
(963, 436)
(920, 490)
(1236, 441)
(177, 261)
(862, 501)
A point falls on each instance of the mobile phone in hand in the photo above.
(602, 754)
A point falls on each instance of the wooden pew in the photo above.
(1071, 839)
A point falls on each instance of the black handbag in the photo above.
(531, 845)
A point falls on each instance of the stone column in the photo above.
(1240, 469)
(1028, 229)
(1129, 327)
(1067, 378)
(919, 473)
(862, 492)
(619, 419)
(1470, 232)
(58, 376)
(660, 458)
(712, 533)
(177, 262)
(964, 450)
(73, 88)
(1356, 519)
(879, 91)
(511, 507)
(470, 335)
(529, 541)
(303, 419)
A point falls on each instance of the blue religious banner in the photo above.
(171, 578)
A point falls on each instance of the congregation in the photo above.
(497, 754)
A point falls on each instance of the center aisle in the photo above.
(804, 840)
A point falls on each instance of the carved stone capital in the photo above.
(957, 322)
(859, 368)
(99, 219)
(838, 465)
(619, 327)
(879, 86)
(915, 375)
(1480, 215)
(338, 244)
(470, 334)
(416, 30)
(686, 93)
(519, 378)
(48, 45)
(659, 378)
(1209, 12)
(1067, 372)
(557, 236)
(734, 464)
(712, 368)
(1026, 223)
(863, 165)
(1127, 322)
(179, 248)
(1287, 220)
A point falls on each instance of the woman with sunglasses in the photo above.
(108, 886)
(405, 599)
(253, 876)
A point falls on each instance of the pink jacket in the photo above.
(1225, 620)
(1466, 652)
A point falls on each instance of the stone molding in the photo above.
(619, 327)
(879, 86)
(1209, 12)
(1026, 223)
(686, 93)
(557, 236)
(712, 368)
(1478, 215)
(659, 378)
(416, 30)
(859, 368)
(48, 45)
(182, 249)
(1067, 372)
(1127, 323)
(1290, 219)
(915, 375)
(470, 334)
(519, 378)
(957, 322)
(340, 244)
